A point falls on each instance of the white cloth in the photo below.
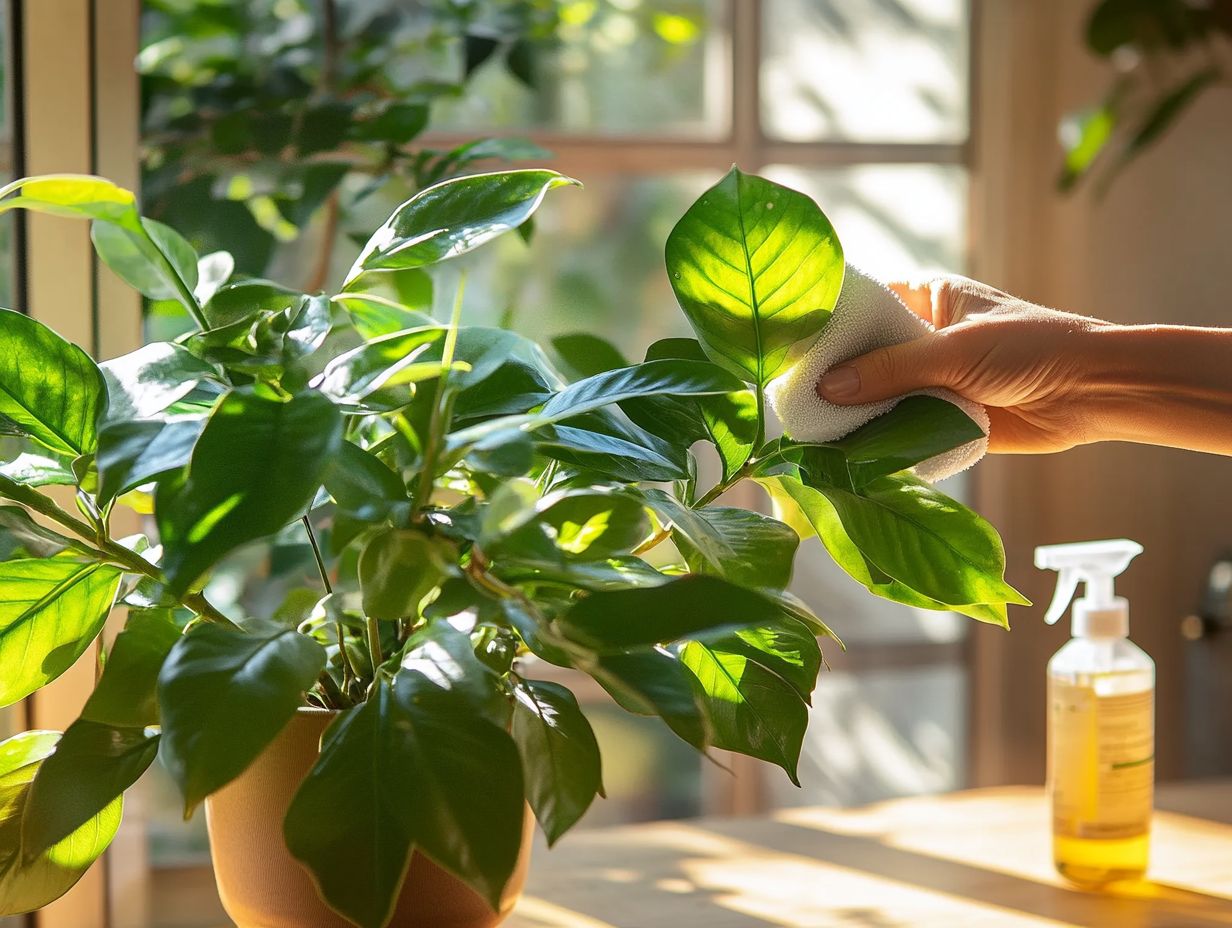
(867, 315)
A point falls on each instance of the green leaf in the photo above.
(154, 260)
(651, 681)
(651, 615)
(728, 421)
(560, 756)
(22, 537)
(354, 819)
(397, 123)
(926, 540)
(757, 268)
(365, 375)
(26, 885)
(651, 378)
(918, 428)
(820, 513)
(745, 547)
(446, 658)
(361, 484)
(257, 465)
(1165, 110)
(374, 316)
(245, 298)
(786, 647)
(50, 611)
(135, 452)
(350, 822)
(587, 523)
(35, 470)
(751, 710)
(108, 748)
(586, 355)
(213, 270)
(223, 695)
(49, 388)
(399, 567)
(454, 217)
(607, 447)
(145, 382)
(75, 196)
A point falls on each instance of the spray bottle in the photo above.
(1101, 721)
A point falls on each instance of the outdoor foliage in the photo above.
(261, 116)
(1166, 54)
(474, 515)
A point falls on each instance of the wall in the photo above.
(1157, 248)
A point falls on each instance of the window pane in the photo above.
(620, 67)
(895, 220)
(878, 735)
(865, 70)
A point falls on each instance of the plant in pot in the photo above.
(369, 758)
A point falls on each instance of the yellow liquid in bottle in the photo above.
(1101, 774)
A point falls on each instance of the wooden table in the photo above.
(978, 859)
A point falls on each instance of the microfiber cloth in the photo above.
(868, 315)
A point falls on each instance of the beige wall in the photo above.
(1157, 248)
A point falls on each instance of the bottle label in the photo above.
(1101, 761)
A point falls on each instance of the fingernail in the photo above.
(840, 384)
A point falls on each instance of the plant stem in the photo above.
(107, 550)
(316, 553)
(432, 447)
(374, 646)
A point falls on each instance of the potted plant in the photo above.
(474, 517)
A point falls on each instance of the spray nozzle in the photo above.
(1092, 562)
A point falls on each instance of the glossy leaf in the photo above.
(353, 821)
(446, 658)
(757, 268)
(257, 465)
(27, 884)
(362, 484)
(145, 382)
(50, 611)
(745, 547)
(35, 470)
(669, 376)
(153, 258)
(677, 609)
(454, 217)
(813, 506)
(586, 523)
(385, 362)
(244, 298)
(74, 196)
(399, 567)
(560, 756)
(223, 695)
(751, 710)
(22, 537)
(213, 271)
(728, 421)
(918, 428)
(49, 388)
(786, 648)
(651, 681)
(135, 452)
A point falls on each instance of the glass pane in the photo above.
(619, 67)
(879, 735)
(865, 70)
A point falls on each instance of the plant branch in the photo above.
(316, 553)
(440, 409)
(107, 549)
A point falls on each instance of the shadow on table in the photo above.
(771, 874)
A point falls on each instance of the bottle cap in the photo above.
(1099, 613)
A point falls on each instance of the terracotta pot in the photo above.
(263, 886)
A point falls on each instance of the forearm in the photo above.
(1161, 385)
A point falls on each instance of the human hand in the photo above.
(1026, 364)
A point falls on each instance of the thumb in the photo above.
(884, 373)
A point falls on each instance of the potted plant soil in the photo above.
(380, 756)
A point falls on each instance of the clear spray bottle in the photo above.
(1101, 721)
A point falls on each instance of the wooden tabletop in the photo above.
(978, 859)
